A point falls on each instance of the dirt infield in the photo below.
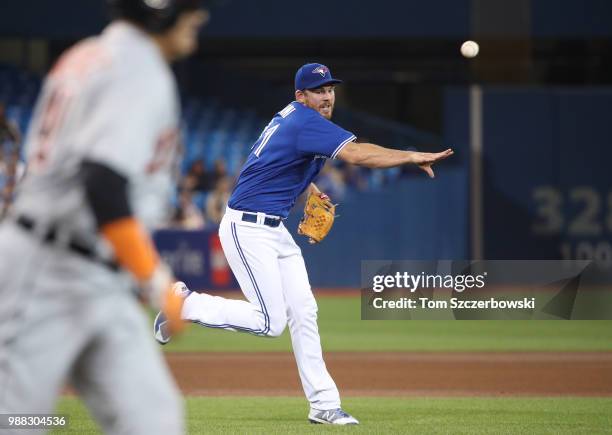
(401, 374)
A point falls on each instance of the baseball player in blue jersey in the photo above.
(265, 259)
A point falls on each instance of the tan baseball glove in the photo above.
(319, 214)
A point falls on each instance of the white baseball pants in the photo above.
(271, 272)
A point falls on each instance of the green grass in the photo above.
(282, 415)
(342, 330)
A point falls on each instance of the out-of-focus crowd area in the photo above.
(216, 142)
(205, 188)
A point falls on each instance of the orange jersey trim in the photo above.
(133, 247)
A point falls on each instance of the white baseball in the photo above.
(469, 49)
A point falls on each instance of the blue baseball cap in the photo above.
(312, 76)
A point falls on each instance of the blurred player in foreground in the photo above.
(265, 259)
(101, 152)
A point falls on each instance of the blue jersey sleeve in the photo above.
(318, 136)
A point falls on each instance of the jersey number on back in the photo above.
(51, 118)
(264, 138)
(267, 133)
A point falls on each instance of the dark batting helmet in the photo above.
(155, 16)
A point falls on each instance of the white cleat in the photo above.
(160, 329)
(331, 416)
(160, 324)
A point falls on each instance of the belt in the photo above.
(73, 245)
(268, 221)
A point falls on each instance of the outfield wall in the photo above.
(546, 180)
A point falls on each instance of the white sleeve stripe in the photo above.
(286, 111)
(335, 153)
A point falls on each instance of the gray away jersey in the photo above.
(110, 99)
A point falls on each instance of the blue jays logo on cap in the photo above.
(321, 70)
(312, 76)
